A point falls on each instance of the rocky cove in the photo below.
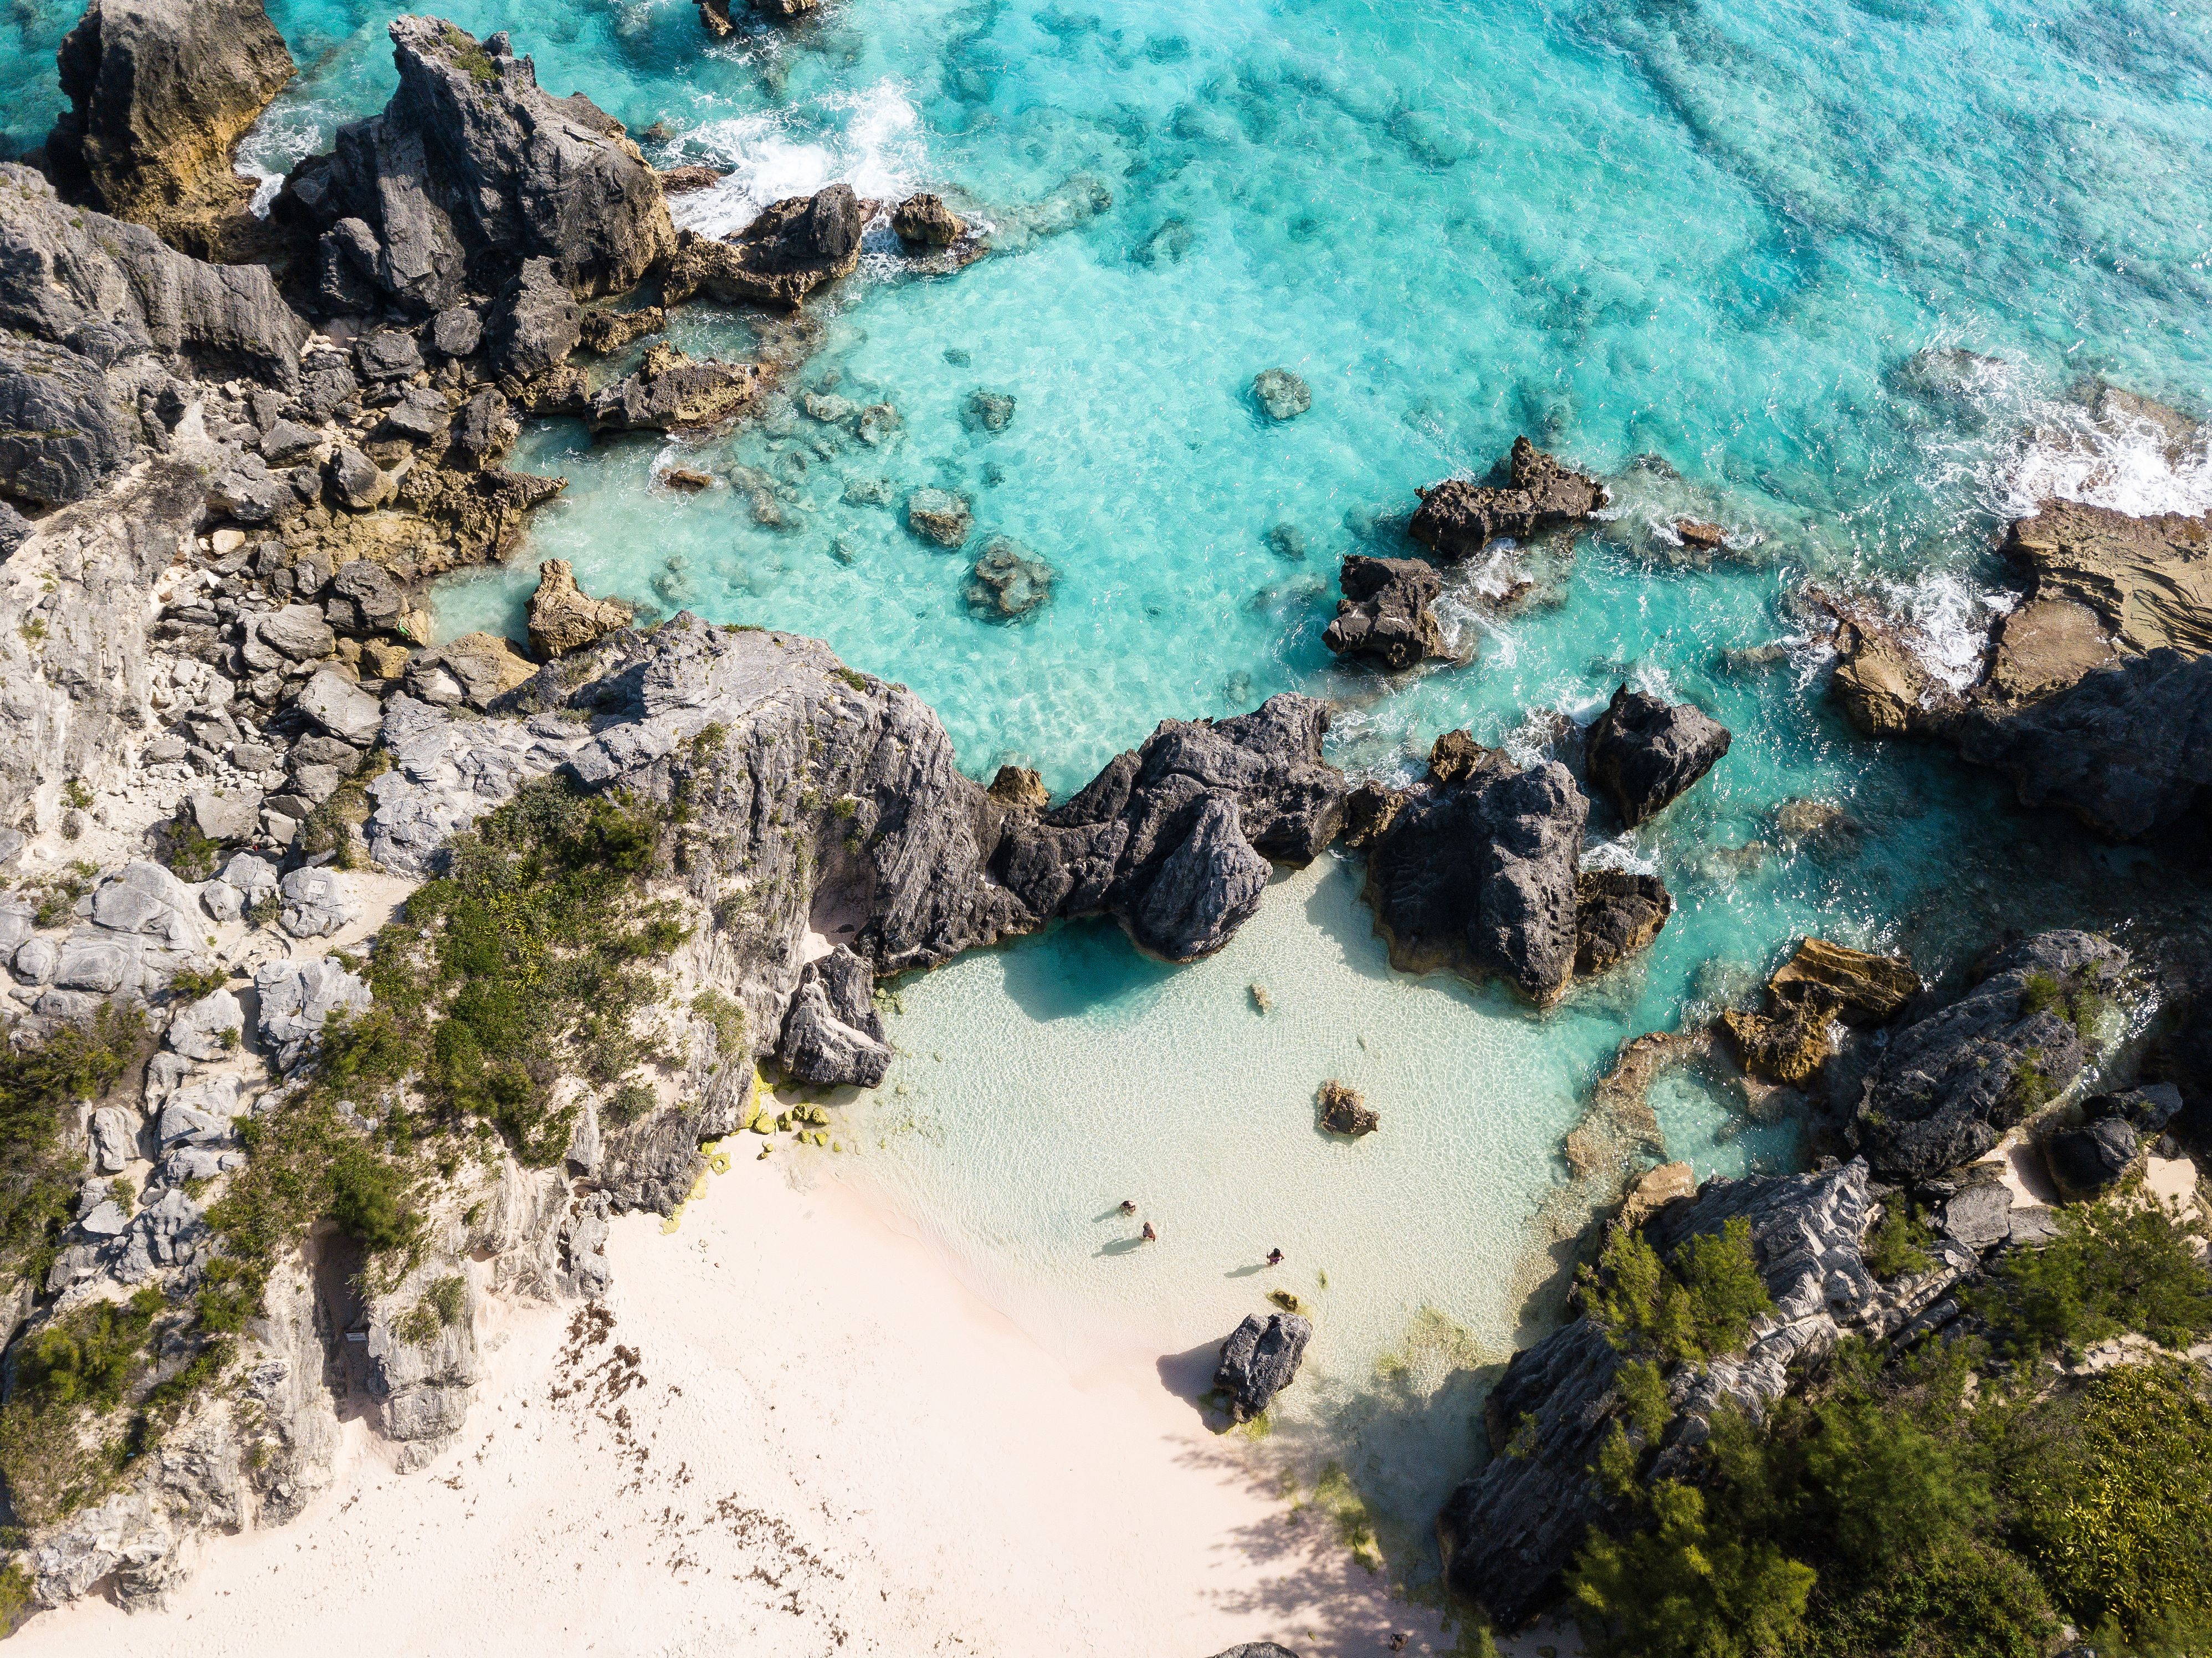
(233, 749)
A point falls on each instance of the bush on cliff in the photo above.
(2113, 1268)
(1700, 1304)
(41, 1086)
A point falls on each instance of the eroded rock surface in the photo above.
(564, 618)
(1459, 518)
(782, 256)
(1259, 1360)
(1384, 613)
(1645, 752)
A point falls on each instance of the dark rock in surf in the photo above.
(1616, 913)
(1259, 1360)
(832, 1035)
(782, 256)
(1458, 517)
(923, 220)
(1384, 613)
(1645, 752)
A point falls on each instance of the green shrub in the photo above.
(1687, 1590)
(87, 1356)
(2113, 1268)
(190, 984)
(365, 1199)
(40, 1088)
(626, 1105)
(1701, 1305)
(1900, 1245)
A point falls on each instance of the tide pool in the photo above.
(1841, 277)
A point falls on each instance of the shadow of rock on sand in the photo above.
(1189, 1375)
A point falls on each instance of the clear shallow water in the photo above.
(1842, 268)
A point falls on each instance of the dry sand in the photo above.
(800, 1435)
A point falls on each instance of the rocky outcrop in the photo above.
(671, 392)
(832, 1035)
(564, 618)
(782, 256)
(471, 170)
(1280, 394)
(925, 221)
(2091, 1157)
(1384, 613)
(1821, 984)
(1259, 1360)
(1458, 519)
(2148, 581)
(1344, 1110)
(1645, 752)
(1948, 1086)
(1477, 875)
(1509, 1533)
(1618, 913)
(159, 94)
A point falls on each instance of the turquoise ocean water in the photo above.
(1840, 277)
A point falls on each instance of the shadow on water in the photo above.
(1086, 970)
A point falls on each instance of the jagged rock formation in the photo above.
(1645, 752)
(2116, 1129)
(1384, 613)
(159, 94)
(789, 251)
(671, 392)
(1476, 874)
(1458, 519)
(1618, 913)
(471, 170)
(1345, 1110)
(1948, 1086)
(925, 221)
(563, 618)
(1509, 1533)
(1259, 1360)
(832, 1034)
(1821, 984)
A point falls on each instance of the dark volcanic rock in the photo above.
(1458, 517)
(1345, 1110)
(2091, 1158)
(1478, 875)
(925, 221)
(1948, 1086)
(1616, 914)
(1259, 1360)
(1384, 613)
(782, 256)
(471, 169)
(1645, 752)
(160, 92)
(1509, 1533)
(535, 323)
(832, 1034)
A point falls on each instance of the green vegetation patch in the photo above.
(40, 1088)
(1699, 1305)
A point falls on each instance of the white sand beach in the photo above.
(800, 1435)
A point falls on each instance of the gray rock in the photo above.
(420, 417)
(483, 432)
(35, 960)
(832, 1035)
(113, 1133)
(327, 385)
(472, 169)
(1477, 875)
(97, 964)
(1645, 752)
(923, 220)
(671, 392)
(107, 1220)
(183, 1125)
(790, 250)
(1977, 1217)
(287, 443)
(536, 323)
(297, 998)
(199, 1162)
(255, 756)
(341, 707)
(222, 901)
(1458, 519)
(230, 814)
(1384, 613)
(253, 494)
(315, 904)
(167, 1233)
(387, 354)
(299, 631)
(1948, 1086)
(2089, 1159)
(1281, 394)
(209, 1028)
(61, 435)
(363, 598)
(990, 411)
(1259, 1360)
(941, 516)
(316, 784)
(355, 482)
(457, 330)
(14, 531)
(249, 874)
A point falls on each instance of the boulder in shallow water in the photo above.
(1344, 1109)
(832, 1035)
(1281, 394)
(671, 392)
(1007, 583)
(1820, 984)
(1259, 1360)
(923, 220)
(565, 619)
(1458, 519)
(1616, 913)
(1645, 752)
(1384, 613)
(941, 516)
(790, 250)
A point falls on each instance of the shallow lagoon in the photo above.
(1842, 270)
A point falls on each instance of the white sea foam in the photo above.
(2115, 458)
(871, 140)
(285, 135)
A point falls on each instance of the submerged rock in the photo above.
(1476, 874)
(1344, 1109)
(1259, 1360)
(471, 169)
(159, 94)
(1007, 583)
(1384, 613)
(1281, 394)
(1458, 517)
(1948, 1086)
(832, 1035)
(941, 516)
(1645, 752)
(792, 248)
(564, 618)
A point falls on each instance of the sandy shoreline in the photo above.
(833, 1447)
